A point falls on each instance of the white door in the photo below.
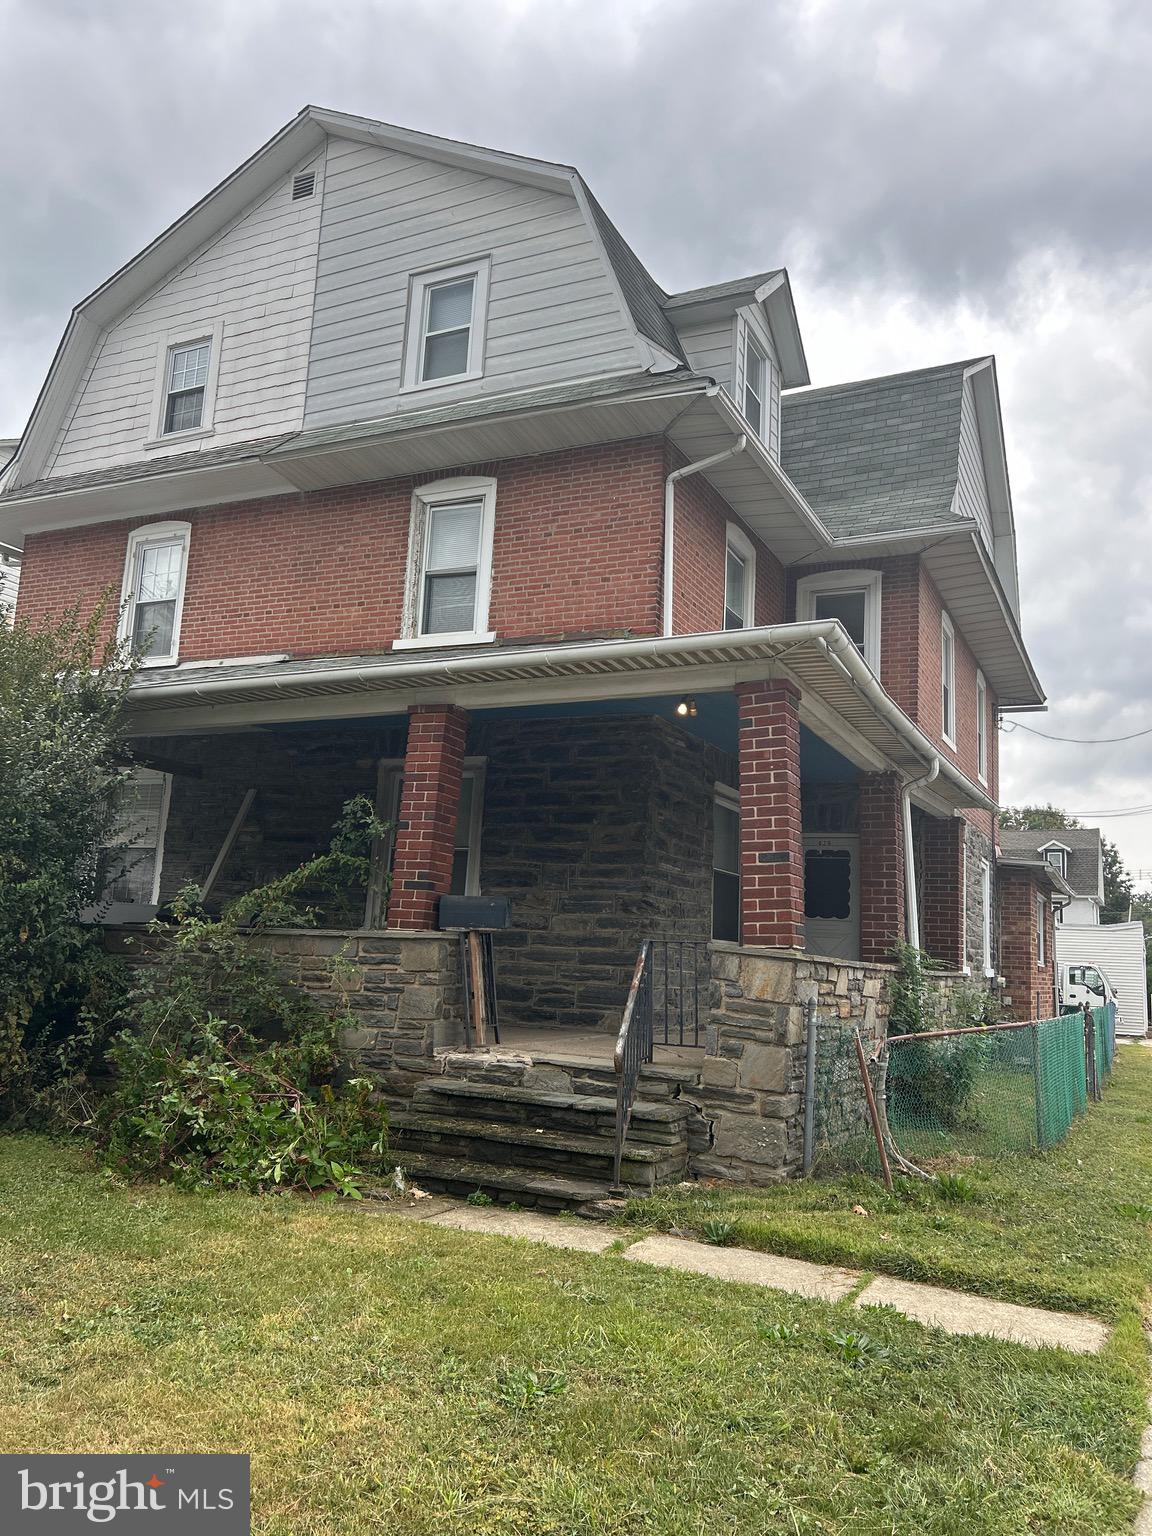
(832, 895)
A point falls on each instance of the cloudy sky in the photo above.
(942, 181)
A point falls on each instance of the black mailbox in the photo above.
(478, 912)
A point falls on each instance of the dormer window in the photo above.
(446, 317)
(755, 373)
(739, 580)
(1058, 858)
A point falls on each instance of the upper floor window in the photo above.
(450, 563)
(852, 597)
(739, 580)
(1058, 858)
(755, 374)
(185, 390)
(446, 317)
(153, 590)
(947, 680)
(981, 728)
(187, 378)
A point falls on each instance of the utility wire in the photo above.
(1079, 741)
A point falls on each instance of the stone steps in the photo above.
(503, 1186)
(566, 1153)
(585, 1114)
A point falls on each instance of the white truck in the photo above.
(1102, 962)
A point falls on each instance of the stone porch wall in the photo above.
(751, 1089)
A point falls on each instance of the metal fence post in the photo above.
(809, 1085)
(1037, 1090)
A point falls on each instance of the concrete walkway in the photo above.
(954, 1312)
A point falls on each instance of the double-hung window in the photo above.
(981, 728)
(1058, 858)
(726, 865)
(450, 563)
(187, 381)
(446, 322)
(755, 374)
(947, 680)
(153, 591)
(187, 365)
(130, 864)
(739, 580)
(852, 597)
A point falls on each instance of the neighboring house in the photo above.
(1118, 949)
(9, 558)
(1074, 852)
(417, 484)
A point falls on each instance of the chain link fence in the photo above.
(956, 1093)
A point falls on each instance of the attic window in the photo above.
(187, 378)
(446, 316)
(1058, 858)
(303, 185)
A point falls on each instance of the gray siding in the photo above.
(711, 349)
(258, 278)
(971, 485)
(553, 313)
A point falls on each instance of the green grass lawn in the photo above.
(1069, 1228)
(392, 1377)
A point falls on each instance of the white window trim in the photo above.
(808, 588)
(751, 344)
(213, 334)
(154, 533)
(737, 540)
(948, 736)
(1041, 932)
(986, 918)
(121, 912)
(981, 727)
(482, 488)
(418, 285)
(729, 797)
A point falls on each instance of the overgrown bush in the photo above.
(62, 694)
(933, 1082)
(228, 1075)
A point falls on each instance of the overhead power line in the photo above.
(1078, 741)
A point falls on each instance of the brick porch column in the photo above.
(944, 895)
(771, 846)
(426, 825)
(881, 865)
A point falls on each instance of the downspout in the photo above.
(911, 910)
(670, 514)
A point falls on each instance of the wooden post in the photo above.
(862, 1062)
(479, 996)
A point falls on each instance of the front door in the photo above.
(832, 895)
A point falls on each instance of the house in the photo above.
(1118, 949)
(415, 483)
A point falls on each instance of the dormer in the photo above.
(1056, 854)
(744, 335)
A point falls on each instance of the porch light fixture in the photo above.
(686, 708)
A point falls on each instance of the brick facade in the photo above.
(771, 845)
(882, 917)
(577, 551)
(702, 518)
(942, 887)
(1029, 986)
(426, 825)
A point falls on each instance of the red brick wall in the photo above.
(944, 893)
(771, 848)
(1029, 987)
(426, 825)
(577, 549)
(881, 865)
(700, 545)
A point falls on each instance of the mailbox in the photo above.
(484, 913)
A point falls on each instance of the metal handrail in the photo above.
(634, 1047)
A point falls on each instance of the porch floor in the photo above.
(586, 1046)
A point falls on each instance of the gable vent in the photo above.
(303, 185)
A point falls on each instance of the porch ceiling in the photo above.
(841, 699)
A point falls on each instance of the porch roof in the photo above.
(842, 701)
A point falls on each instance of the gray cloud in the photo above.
(943, 180)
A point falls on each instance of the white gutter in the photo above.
(775, 639)
(670, 513)
(911, 909)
